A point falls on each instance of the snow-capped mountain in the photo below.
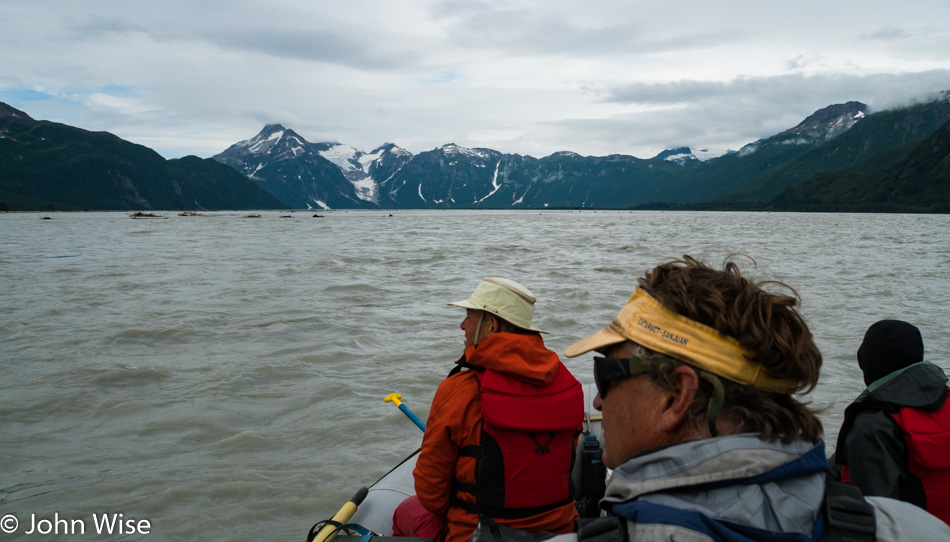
(449, 176)
(272, 144)
(312, 175)
(818, 128)
(825, 124)
(338, 176)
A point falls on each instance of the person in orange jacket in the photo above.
(502, 428)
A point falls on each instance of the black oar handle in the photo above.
(360, 495)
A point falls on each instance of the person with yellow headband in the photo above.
(697, 378)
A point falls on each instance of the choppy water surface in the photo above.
(223, 377)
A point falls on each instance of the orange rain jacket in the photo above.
(455, 420)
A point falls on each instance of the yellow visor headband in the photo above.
(645, 321)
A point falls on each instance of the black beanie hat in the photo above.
(889, 345)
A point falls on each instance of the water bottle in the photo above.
(593, 471)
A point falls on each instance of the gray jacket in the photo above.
(733, 480)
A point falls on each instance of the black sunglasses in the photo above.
(609, 369)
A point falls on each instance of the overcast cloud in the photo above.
(521, 76)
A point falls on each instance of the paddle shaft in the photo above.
(394, 398)
(330, 530)
(415, 419)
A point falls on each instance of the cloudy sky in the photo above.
(519, 76)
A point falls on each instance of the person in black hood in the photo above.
(895, 437)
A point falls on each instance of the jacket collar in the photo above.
(518, 354)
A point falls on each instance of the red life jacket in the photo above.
(928, 444)
(526, 451)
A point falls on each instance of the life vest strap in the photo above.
(506, 513)
(847, 514)
(472, 451)
(602, 529)
(481, 489)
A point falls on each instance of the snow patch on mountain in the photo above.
(704, 154)
(262, 145)
(495, 184)
(453, 149)
(682, 155)
(366, 160)
(256, 169)
(366, 188)
(398, 151)
(343, 156)
(296, 144)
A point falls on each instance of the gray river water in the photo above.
(222, 377)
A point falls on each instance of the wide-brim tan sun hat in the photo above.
(505, 299)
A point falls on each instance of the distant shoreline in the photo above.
(678, 208)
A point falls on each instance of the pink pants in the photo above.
(411, 519)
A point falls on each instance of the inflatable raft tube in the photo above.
(375, 512)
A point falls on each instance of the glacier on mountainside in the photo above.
(355, 166)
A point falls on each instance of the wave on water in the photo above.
(131, 375)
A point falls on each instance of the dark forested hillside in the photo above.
(914, 177)
(46, 165)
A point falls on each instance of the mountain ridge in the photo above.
(112, 173)
(452, 176)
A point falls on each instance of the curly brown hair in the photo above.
(765, 323)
